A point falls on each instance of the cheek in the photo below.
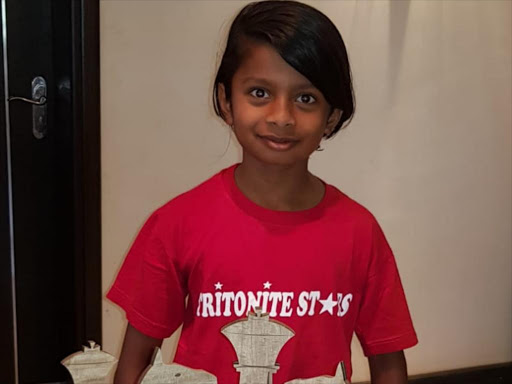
(245, 116)
(313, 124)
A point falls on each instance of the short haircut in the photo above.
(305, 38)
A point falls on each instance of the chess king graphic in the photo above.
(256, 339)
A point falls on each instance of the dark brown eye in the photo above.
(259, 93)
(306, 99)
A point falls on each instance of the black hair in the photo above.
(305, 38)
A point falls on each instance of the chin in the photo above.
(279, 159)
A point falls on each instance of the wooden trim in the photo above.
(7, 341)
(87, 184)
(486, 374)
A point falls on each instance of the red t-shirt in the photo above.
(324, 272)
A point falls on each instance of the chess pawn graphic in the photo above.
(159, 373)
(92, 366)
(257, 341)
(340, 377)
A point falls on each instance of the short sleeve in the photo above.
(384, 323)
(148, 286)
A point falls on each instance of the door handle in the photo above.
(41, 101)
(39, 106)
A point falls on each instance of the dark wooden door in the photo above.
(46, 301)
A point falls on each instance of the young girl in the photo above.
(267, 232)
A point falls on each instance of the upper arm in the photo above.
(150, 285)
(383, 323)
(135, 356)
(388, 368)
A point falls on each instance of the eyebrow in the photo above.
(266, 82)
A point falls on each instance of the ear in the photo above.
(332, 121)
(225, 105)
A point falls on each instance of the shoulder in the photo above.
(365, 231)
(198, 200)
(346, 208)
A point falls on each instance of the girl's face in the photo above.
(277, 115)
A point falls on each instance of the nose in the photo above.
(281, 113)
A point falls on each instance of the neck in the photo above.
(279, 187)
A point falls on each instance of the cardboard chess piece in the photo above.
(91, 366)
(159, 373)
(257, 341)
(338, 378)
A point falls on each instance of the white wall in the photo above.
(429, 151)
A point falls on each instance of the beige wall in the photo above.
(429, 151)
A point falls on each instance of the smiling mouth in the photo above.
(278, 143)
(279, 140)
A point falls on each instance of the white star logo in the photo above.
(328, 304)
(267, 285)
(218, 286)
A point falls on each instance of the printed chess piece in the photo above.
(339, 378)
(158, 373)
(257, 341)
(92, 366)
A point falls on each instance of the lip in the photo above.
(278, 143)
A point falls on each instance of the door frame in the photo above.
(86, 145)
